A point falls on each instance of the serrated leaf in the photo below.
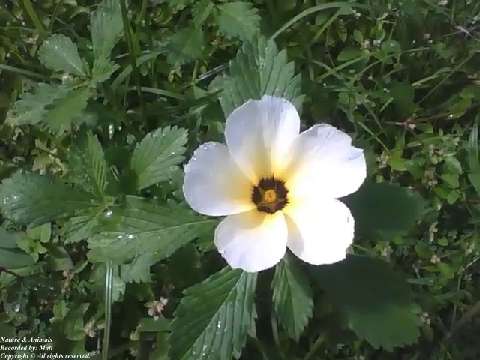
(65, 111)
(185, 45)
(292, 297)
(14, 258)
(31, 108)
(59, 53)
(258, 69)
(238, 19)
(385, 209)
(102, 70)
(96, 166)
(88, 167)
(144, 227)
(106, 28)
(375, 300)
(138, 270)
(156, 157)
(78, 228)
(97, 282)
(201, 11)
(33, 199)
(214, 317)
(11, 257)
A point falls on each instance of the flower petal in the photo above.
(319, 233)
(252, 241)
(213, 183)
(259, 134)
(325, 163)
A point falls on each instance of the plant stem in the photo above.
(316, 345)
(108, 308)
(28, 6)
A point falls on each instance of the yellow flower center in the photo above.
(270, 195)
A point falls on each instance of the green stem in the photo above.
(132, 53)
(313, 10)
(22, 72)
(108, 308)
(28, 6)
(316, 345)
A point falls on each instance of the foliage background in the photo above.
(401, 76)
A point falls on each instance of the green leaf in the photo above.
(73, 323)
(473, 157)
(79, 228)
(66, 111)
(8, 239)
(238, 19)
(186, 45)
(59, 53)
(138, 270)
(156, 157)
(154, 325)
(385, 208)
(214, 317)
(31, 108)
(404, 98)
(11, 257)
(147, 228)
(292, 297)
(102, 70)
(14, 258)
(258, 69)
(106, 28)
(201, 11)
(88, 166)
(33, 199)
(375, 300)
(349, 53)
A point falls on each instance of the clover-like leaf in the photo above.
(214, 317)
(59, 53)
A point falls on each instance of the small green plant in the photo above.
(102, 105)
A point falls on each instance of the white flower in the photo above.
(277, 186)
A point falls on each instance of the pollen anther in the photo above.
(270, 195)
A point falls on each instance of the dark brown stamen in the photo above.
(270, 195)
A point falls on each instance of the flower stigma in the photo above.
(270, 195)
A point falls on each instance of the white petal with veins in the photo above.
(213, 183)
(320, 232)
(259, 134)
(325, 164)
(252, 241)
